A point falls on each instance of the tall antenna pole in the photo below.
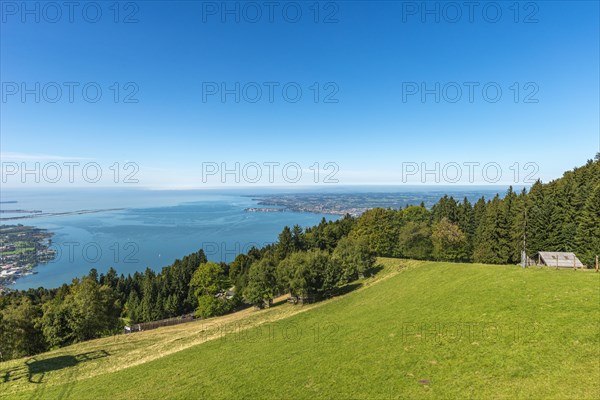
(524, 251)
(525, 232)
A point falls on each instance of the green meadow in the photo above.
(414, 330)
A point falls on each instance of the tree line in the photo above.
(311, 263)
(563, 215)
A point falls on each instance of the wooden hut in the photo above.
(559, 259)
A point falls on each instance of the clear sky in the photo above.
(361, 68)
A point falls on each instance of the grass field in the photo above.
(19, 250)
(415, 330)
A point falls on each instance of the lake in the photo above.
(154, 229)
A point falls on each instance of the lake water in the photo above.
(154, 229)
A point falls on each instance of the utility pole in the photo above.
(524, 251)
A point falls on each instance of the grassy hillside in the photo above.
(416, 330)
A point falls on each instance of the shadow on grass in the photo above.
(279, 303)
(34, 370)
(351, 287)
(374, 270)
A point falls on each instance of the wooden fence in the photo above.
(144, 326)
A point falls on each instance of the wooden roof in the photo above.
(560, 259)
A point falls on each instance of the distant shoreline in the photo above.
(55, 214)
(20, 211)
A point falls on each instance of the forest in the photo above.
(312, 263)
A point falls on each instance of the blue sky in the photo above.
(369, 53)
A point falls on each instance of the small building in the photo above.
(559, 259)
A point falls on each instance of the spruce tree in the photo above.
(538, 220)
(518, 227)
(588, 232)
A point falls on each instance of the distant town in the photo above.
(357, 203)
(265, 209)
(22, 248)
